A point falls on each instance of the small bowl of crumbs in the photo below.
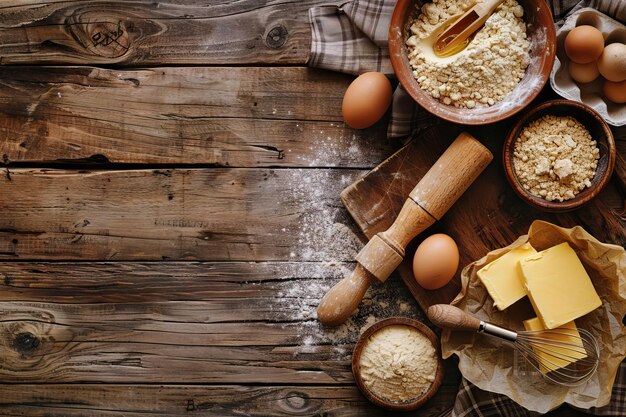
(559, 155)
(397, 364)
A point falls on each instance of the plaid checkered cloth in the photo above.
(352, 39)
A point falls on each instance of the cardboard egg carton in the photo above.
(590, 93)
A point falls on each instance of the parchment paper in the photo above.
(490, 363)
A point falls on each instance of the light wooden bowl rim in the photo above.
(356, 365)
(600, 180)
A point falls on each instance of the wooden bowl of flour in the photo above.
(541, 33)
(411, 403)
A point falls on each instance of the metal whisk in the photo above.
(562, 355)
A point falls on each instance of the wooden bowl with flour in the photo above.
(541, 33)
(389, 334)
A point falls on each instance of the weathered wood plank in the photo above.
(193, 323)
(124, 282)
(225, 116)
(206, 400)
(215, 214)
(155, 33)
(211, 400)
(176, 214)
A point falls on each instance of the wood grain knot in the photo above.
(277, 37)
(105, 37)
(26, 342)
(296, 402)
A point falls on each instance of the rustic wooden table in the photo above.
(171, 214)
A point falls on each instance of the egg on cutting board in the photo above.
(612, 63)
(436, 261)
(366, 100)
(584, 44)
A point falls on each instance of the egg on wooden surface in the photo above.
(584, 44)
(366, 100)
(612, 63)
(615, 91)
(436, 261)
(583, 73)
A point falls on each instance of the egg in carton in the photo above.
(589, 93)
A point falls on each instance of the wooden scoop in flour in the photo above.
(441, 187)
(454, 38)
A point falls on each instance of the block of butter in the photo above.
(503, 278)
(566, 345)
(558, 285)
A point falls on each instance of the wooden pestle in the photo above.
(441, 187)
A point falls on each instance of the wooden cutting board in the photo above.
(488, 216)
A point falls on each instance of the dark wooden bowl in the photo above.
(356, 365)
(542, 35)
(600, 132)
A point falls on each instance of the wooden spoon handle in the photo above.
(465, 26)
(342, 299)
(450, 317)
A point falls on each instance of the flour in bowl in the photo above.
(486, 71)
(398, 363)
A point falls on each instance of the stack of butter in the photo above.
(557, 286)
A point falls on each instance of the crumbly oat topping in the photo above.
(555, 157)
(487, 70)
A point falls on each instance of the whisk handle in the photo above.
(450, 317)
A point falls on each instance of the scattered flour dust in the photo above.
(334, 145)
(299, 296)
(327, 242)
(321, 226)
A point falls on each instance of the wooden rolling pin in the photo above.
(441, 187)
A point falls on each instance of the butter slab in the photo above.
(567, 345)
(558, 286)
(503, 278)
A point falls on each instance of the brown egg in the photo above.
(584, 44)
(583, 73)
(436, 261)
(366, 100)
(615, 91)
(612, 63)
